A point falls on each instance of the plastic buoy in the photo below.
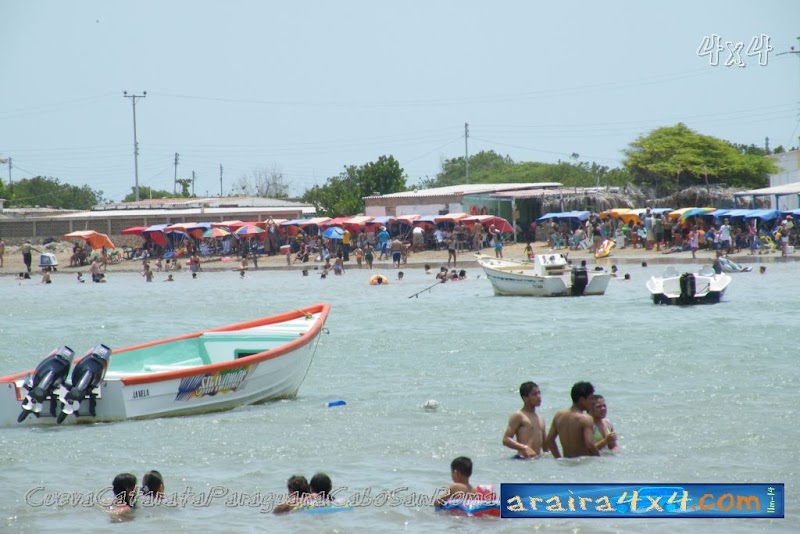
(331, 404)
(431, 405)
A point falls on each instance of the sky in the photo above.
(306, 88)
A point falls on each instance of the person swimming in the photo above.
(124, 487)
(153, 486)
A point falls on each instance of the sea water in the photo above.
(696, 394)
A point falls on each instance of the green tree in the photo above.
(673, 157)
(148, 192)
(343, 194)
(45, 191)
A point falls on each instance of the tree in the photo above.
(148, 192)
(670, 158)
(482, 166)
(263, 182)
(343, 194)
(45, 191)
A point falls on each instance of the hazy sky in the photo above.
(311, 86)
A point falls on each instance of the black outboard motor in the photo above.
(86, 375)
(580, 279)
(49, 375)
(688, 288)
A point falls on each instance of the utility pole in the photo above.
(192, 183)
(175, 180)
(220, 179)
(135, 142)
(9, 173)
(466, 149)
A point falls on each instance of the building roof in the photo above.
(464, 189)
(785, 189)
(194, 213)
(207, 202)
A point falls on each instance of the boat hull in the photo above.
(688, 289)
(258, 377)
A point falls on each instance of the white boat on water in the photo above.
(210, 370)
(548, 276)
(704, 287)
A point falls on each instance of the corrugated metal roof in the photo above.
(209, 202)
(464, 189)
(530, 193)
(194, 213)
(785, 189)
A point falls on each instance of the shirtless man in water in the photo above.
(526, 425)
(574, 426)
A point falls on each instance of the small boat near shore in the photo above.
(211, 370)
(550, 275)
(704, 287)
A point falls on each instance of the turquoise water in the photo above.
(703, 394)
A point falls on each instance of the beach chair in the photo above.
(587, 243)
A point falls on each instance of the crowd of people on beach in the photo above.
(661, 233)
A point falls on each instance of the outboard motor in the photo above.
(49, 375)
(86, 376)
(688, 288)
(580, 279)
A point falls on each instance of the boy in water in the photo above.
(124, 487)
(460, 471)
(526, 425)
(299, 492)
(574, 426)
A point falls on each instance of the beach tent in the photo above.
(578, 215)
(764, 215)
(381, 221)
(227, 224)
(617, 213)
(95, 239)
(355, 224)
(487, 221)
(338, 221)
(451, 217)
(133, 230)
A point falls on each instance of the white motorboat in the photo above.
(550, 275)
(704, 287)
(210, 370)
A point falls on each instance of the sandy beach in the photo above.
(435, 258)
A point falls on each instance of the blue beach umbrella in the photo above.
(334, 232)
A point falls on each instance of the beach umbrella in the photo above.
(334, 232)
(95, 239)
(694, 212)
(250, 229)
(133, 230)
(216, 232)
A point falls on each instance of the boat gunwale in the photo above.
(146, 378)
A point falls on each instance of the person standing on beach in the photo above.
(451, 251)
(693, 241)
(26, 254)
(346, 244)
(2, 250)
(573, 425)
(525, 432)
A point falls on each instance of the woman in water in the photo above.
(604, 435)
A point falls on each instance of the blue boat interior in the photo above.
(206, 349)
